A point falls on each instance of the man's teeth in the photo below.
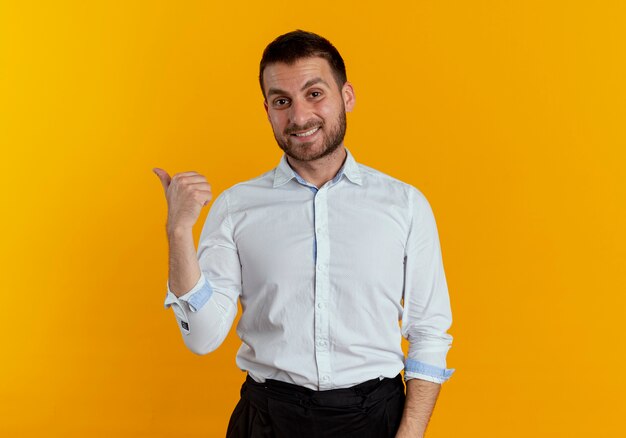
(304, 134)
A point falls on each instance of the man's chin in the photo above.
(303, 151)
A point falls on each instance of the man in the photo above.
(326, 255)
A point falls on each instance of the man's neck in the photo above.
(322, 170)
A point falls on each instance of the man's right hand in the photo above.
(186, 194)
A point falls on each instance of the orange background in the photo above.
(509, 116)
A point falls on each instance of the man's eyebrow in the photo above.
(275, 91)
(309, 83)
(313, 82)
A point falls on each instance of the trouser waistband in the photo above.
(363, 394)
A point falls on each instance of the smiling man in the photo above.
(308, 118)
(326, 255)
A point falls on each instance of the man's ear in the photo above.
(349, 99)
(266, 108)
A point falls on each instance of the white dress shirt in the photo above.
(324, 276)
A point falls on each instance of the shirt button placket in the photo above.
(322, 287)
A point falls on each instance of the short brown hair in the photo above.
(298, 44)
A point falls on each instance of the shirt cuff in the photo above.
(196, 297)
(414, 369)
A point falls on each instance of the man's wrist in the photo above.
(406, 430)
(178, 231)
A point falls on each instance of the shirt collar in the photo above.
(284, 172)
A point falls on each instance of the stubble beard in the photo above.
(300, 151)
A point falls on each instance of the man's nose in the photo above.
(299, 112)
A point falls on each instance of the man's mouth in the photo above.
(306, 133)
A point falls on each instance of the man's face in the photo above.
(306, 108)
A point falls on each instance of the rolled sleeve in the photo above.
(414, 369)
(426, 315)
(196, 297)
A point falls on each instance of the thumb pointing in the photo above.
(163, 177)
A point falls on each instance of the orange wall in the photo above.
(509, 116)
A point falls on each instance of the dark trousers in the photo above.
(282, 410)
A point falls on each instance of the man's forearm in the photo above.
(184, 270)
(421, 396)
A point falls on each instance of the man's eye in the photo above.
(280, 102)
(316, 93)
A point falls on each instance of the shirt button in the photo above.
(321, 343)
(320, 268)
(319, 230)
(321, 305)
(325, 378)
